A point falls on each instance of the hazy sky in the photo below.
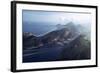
(56, 17)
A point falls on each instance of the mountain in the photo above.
(60, 35)
(30, 41)
(86, 31)
(66, 41)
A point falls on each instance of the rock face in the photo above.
(67, 38)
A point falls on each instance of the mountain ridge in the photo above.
(68, 44)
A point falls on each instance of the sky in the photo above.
(56, 17)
